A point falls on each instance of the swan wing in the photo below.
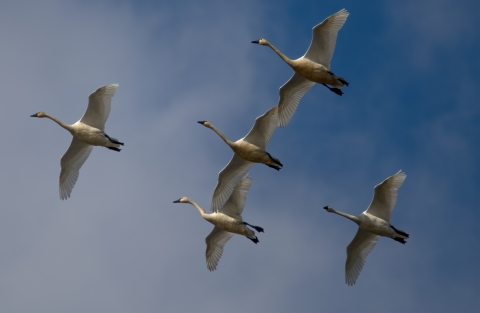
(70, 163)
(385, 196)
(263, 128)
(235, 204)
(215, 242)
(324, 38)
(357, 252)
(290, 94)
(228, 178)
(98, 109)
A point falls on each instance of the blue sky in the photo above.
(119, 244)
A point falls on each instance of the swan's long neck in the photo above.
(199, 208)
(280, 54)
(66, 126)
(350, 217)
(227, 141)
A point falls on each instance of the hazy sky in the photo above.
(119, 244)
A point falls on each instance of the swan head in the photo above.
(328, 208)
(261, 41)
(181, 200)
(205, 123)
(39, 114)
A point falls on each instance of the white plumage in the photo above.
(248, 150)
(87, 132)
(313, 67)
(228, 221)
(373, 223)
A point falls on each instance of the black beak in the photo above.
(326, 207)
(33, 115)
(201, 122)
(255, 41)
(176, 201)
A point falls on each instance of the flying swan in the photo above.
(87, 132)
(248, 150)
(372, 224)
(227, 221)
(313, 67)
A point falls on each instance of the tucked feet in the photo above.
(114, 149)
(255, 240)
(401, 240)
(400, 232)
(335, 90)
(113, 140)
(257, 228)
(277, 164)
(274, 166)
(343, 81)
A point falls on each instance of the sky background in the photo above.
(119, 244)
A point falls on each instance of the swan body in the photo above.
(87, 132)
(247, 151)
(227, 221)
(373, 223)
(313, 67)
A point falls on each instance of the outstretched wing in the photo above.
(385, 196)
(228, 178)
(290, 94)
(357, 252)
(98, 108)
(263, 128)
(215, 242)
(235, 204)
(70, 163)
(324, 38)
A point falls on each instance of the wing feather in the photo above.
(385, 196)
(290, 94)
(228, 178)
(215, 242)
(324, 38)
(235, 204)
(70, 163)
(357, 252)
(99, 103)
(263, 128)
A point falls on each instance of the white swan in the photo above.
(87, 132)
(227, 221)
(374, 222)
(313, 67)
(248, 150)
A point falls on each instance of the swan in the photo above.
(87, 132)
(247, 150)
(372, 224)
(227, 221)
(313, 67)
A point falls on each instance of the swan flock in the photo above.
(229, 195)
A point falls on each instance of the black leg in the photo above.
(113, 140)
(401, 240)
(335, 90)
(257, 228)
(114, 149)
(255, 240)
